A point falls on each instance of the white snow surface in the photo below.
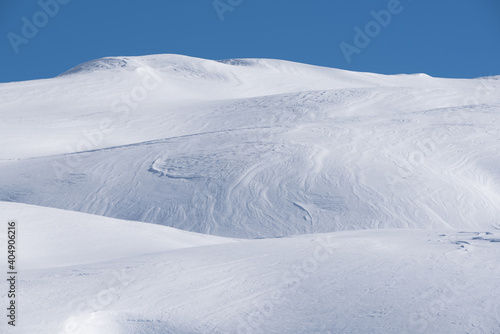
(255, 147)
(293, 199)
(89, 274)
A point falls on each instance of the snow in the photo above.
(252, 196)
(89, 274)
(52, 238)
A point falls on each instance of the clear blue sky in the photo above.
(446, 38)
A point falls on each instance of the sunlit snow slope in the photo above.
(84, 274)
(372, 202)
(254, 147)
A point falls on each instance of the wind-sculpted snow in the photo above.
(373, 201)
(98, 65)
(119, 277)
(370, 151)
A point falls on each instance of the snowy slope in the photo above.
(53, 238)
(153, 279)
(284, 197)
(254, 147)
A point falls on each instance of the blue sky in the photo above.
(445, 38)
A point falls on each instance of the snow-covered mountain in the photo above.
(386, 189)
(254, 148)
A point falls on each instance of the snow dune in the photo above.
(51, 238)
(89, 274)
